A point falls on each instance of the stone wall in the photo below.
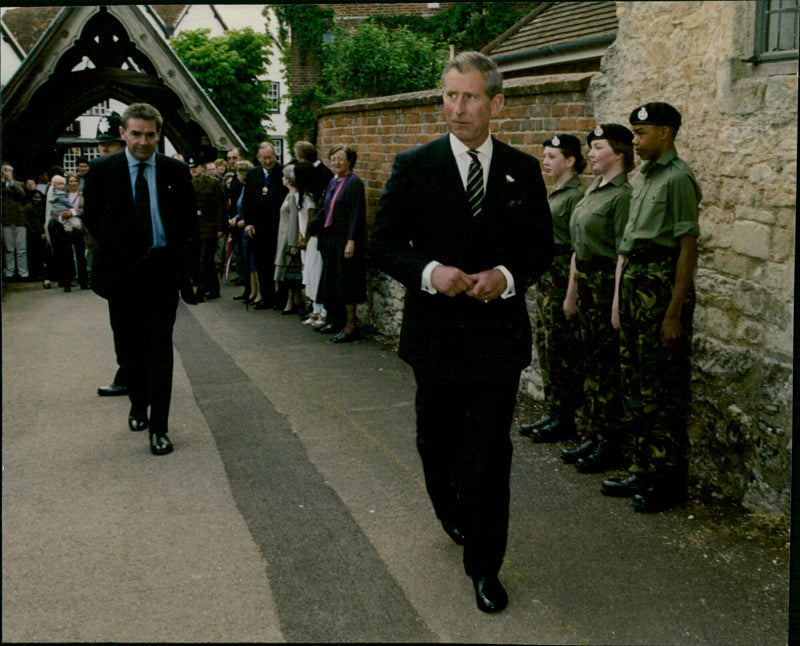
(739, 136)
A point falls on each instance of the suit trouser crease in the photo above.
(463, 440)
(142, 320)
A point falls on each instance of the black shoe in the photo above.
(261, 305)
(346, 337)
(603, 458)
(199, 298)
(489, 593)
(160, 444)
(571, 456)
(662, 494)
(561, 428)
(329, 328)
(137, 421)
(242, 297)
(211, 297)
(525, 429)
(626, 488)
(453, 532)
(112, 390)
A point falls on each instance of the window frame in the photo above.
(761, 54)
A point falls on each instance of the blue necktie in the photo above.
(475, 183)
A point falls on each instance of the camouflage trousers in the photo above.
(655, 379)
(558, 341)
(600, 345)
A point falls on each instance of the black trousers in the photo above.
(142, 319)
(463, 427)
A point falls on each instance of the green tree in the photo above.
(230, 69)
(376, 61)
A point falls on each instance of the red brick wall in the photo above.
(535, 109)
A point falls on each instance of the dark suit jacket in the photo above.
(424, 215)
(263, 211)
(110, 216)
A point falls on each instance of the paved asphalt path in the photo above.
(294, 509)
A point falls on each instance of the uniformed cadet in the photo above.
(211, 225)
(658, 255)
(596, 232)
(558, 342)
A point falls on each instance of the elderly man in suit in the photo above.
(140, 207)
(264, 193)
(464, 224)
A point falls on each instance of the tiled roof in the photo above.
(29, 23)
(169, 13)
(563, 22)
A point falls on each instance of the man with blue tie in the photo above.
(140, 207)
(464, 224)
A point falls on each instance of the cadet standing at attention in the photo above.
(558, 340)
(658, 255)
(596, 232)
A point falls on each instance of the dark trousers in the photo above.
(463, 439)
(119, 378)
(207, 278)
(70, 252)
(265, 264)
(142, 318)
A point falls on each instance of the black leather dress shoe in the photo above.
(138, 422)
(571, 456)
(160, 444)
(199, 298)
(489, 593)
(625, 488)
(211, 297)
(661, 495)
(558, 430)
(601, 459)
(329, 328)
(346, 337)
(262, 305)
(525, 429)
(453, 532)
(112, 390)
(242, 297)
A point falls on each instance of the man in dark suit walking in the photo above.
(264, 193)
(140, 207)
(464, 224)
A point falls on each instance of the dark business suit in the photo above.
(263, 212)
(141, 284)
(467, 355)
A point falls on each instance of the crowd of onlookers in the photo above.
(293, 236)
(43, 233)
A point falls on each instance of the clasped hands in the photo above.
(484, 286)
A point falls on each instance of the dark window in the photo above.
(777, 25)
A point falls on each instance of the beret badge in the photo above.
(556, 141)
(642, 114)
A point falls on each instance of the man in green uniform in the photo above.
(211, 225)
(658, 255)
(558, 339)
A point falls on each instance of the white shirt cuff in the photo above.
(510, 291)
(426, 276)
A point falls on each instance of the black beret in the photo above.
(570, 144)
(656, 114)
(194, 160)
(612, 131)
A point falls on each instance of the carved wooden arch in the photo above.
(115, 68)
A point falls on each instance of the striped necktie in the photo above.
(475, 183)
